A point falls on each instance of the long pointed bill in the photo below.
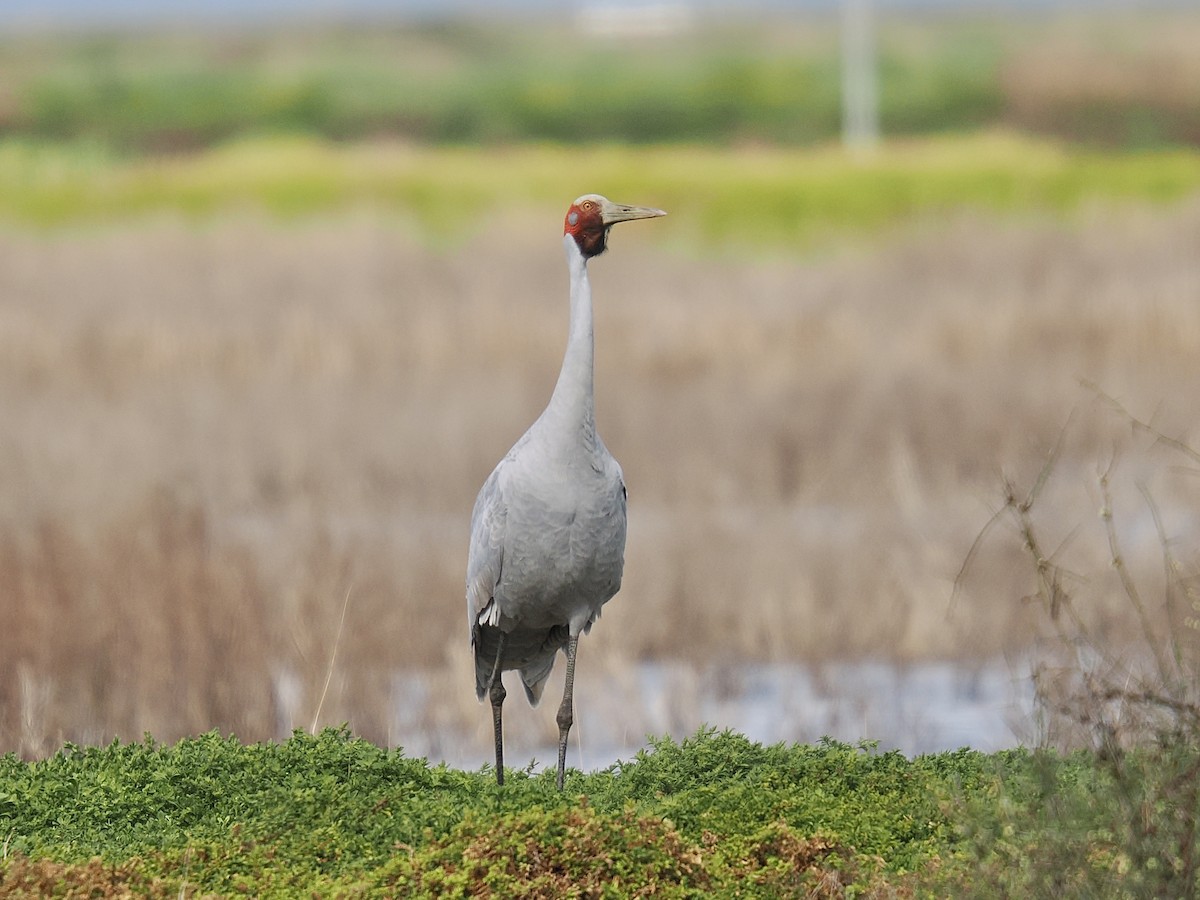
(612, 213)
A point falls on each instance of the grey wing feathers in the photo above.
(486, 555)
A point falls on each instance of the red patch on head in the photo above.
(585, 223)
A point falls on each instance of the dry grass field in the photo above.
(219, 436)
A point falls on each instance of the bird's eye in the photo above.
(587, 204)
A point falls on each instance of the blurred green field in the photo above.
(731, 123)
(775, 199)
(478, 82)
(1119, 79)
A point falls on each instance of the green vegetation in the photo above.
(1125, 81)
(481, 82)
(730, 125)
(774, 198)
(713, 815)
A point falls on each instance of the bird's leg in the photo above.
(497, 694)
(566, 712)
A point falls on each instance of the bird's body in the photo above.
(560, 521)
(548, 529)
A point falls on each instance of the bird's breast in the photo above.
(564, 555)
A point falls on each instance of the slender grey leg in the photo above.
(566, 712)
(497, 694)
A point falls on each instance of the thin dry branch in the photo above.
(1173, 573)
(1020, 510)
(1128, 585)
(1140, 425)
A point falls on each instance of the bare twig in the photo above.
(1051, 460)
(1173, 572)
(1117, 560)
(1139, 425)
(1019, 510)
(332, 659)
(1153, 698)
(970, 557)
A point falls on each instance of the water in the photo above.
(915, 708)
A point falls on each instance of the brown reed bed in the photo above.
(217, 437)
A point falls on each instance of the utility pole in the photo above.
(860, 92)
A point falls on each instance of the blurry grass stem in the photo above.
(332, 660)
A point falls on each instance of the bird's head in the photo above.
(591, 216)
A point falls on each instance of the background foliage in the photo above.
(1117, 80)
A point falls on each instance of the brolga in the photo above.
(548, 528)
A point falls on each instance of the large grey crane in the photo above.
(548, 528)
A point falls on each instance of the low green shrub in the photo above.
(331, 813)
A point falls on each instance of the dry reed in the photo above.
(213, 434)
